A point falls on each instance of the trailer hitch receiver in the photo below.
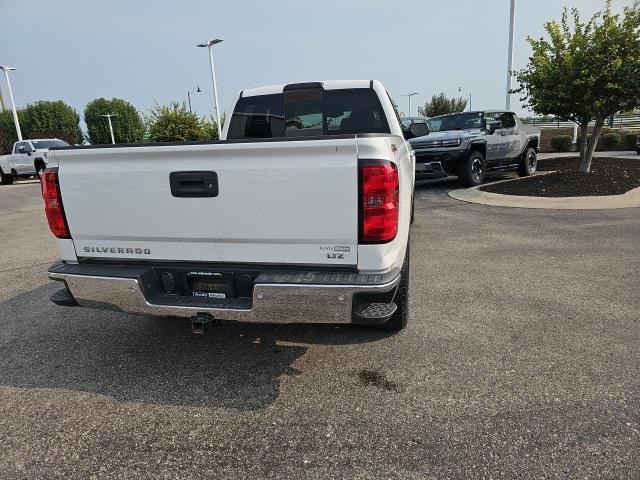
(201, 322)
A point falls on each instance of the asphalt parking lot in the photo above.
(521, 360)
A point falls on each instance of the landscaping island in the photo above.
(609, 176)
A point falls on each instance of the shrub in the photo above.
(174, 123)
(610, 140)
(561, 143)
(630, 140)
(46, 115)
(127, 126)
(210, 128)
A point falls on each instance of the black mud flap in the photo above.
(63, 298)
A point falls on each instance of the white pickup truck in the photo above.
(299, 214)
(27, 158)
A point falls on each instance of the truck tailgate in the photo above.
(279, 202)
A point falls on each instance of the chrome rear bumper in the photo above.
(278, 297)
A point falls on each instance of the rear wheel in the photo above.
(413, 202)
(401, 316)
(471, 171)
(5, 179)
(529, 163)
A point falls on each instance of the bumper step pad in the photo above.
(375, 313)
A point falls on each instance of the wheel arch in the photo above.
(39, 161)
(534, 143)
(479, 146)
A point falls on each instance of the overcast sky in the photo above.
(144, 51)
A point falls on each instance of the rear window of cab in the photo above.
(308, 112)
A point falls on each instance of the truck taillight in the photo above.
(53, 203)
(379, 201)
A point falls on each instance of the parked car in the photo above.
(27, 158)
(470, 144)
(300, 213)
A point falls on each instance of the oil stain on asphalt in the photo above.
(377, 379)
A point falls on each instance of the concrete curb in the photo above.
(630, 199)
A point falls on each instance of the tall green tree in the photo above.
(174, 123)
(8, 129)
(440, 104)
(51, 115)
(128, 126)
(53, 133)
(5, 143)
(585, 71)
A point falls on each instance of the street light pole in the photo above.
(209, 44)
(2, 105)
(6, 70)
(512, 18)
(460, 90)
(189, 95)
(409, 95)
(109, 115)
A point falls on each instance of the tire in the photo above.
(471, 170)
(5, 179)
(528, 163)
(413, 202)
(401, 316)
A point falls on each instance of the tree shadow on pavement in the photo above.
(152, 360)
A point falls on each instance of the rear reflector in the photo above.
(53, 203)
(379, 201)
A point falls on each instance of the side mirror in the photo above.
(416, 130)
(493, 125)
(29, 153)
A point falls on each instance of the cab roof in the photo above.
(476, 111)
(326, 84)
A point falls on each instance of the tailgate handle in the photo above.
(194, 184)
